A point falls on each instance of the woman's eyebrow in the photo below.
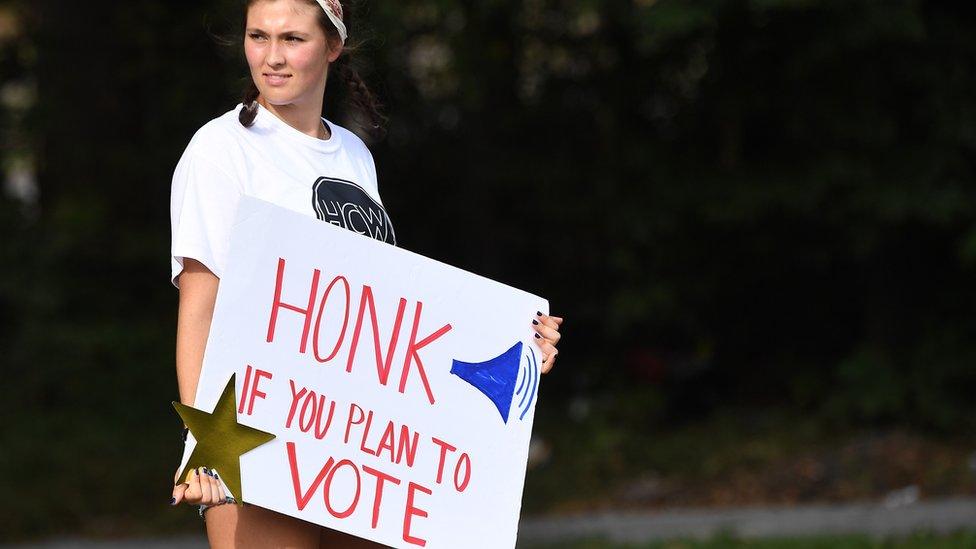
(282, 33)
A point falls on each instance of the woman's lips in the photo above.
(276, 79)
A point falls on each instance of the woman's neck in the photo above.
(306, 119)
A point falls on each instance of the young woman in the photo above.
(277, 147)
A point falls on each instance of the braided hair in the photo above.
(362, 104)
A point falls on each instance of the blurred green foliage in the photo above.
(734, 203)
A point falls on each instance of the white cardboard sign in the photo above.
(401, 390)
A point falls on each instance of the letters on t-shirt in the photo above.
(345, 204)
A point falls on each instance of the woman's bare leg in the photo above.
(333, 539)
(235, 527)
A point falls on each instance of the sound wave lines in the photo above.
(531, 374)
(496, 379)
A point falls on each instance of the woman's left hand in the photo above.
(547, 335)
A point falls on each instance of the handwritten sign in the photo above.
(401, 391)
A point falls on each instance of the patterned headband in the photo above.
(334, 10)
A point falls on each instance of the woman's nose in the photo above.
(275, 56)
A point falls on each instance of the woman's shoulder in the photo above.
(350, 140)
(218, 136)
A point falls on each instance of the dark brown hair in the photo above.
(363, 106)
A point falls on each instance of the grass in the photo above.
(736, 458)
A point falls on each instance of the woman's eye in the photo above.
(294, 39)
(256, 36)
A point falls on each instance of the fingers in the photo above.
(547, 326)
(194, 489)
(216, 490)
(549, 353)
(202, 487)
(178, 491)
(206, 487)
(221, 495)
(551, 321)
(546, 332)
(546, 337)
(217, 494)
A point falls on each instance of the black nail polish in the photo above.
(538, 313)
(172, 501)
(537, 336)
(536, 322)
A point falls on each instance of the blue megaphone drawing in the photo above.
(496, 378)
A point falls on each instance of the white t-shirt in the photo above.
(331, 179)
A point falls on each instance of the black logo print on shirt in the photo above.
(346, 204)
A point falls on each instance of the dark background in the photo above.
(757, 218)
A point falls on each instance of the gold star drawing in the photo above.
(221, 439)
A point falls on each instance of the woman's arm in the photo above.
(198, 293)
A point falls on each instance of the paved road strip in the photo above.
(872, 519)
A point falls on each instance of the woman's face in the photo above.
(287, 51)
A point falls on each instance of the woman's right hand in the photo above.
(202, 486)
